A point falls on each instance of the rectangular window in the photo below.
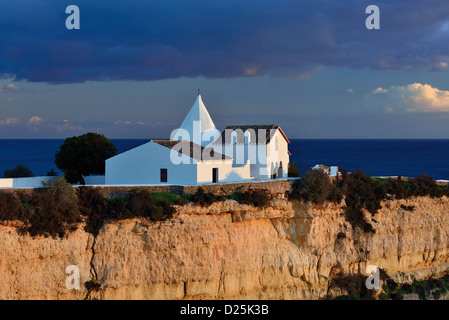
(214, 175)
(163, 175)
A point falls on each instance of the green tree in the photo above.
(18, 172)
(84, 155)
(293, 170)
(362, 192)
(315, 186)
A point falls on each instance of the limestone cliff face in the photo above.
(230, 251)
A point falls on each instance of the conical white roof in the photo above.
(197, 122)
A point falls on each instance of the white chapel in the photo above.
(198, 153)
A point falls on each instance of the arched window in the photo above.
(234, 137)
(276, 142)
(247, 137)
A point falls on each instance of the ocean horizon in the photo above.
(377, 157)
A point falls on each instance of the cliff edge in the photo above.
(230, 251)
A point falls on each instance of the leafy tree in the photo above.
(293, 170)
(18, 172)
(84, 155)
(315, 186)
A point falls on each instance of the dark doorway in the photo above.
(164, 175)
(214, 175)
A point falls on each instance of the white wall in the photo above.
(29, 182)
(264, 159)
(226, 171)
(142, 165)
(276, 157)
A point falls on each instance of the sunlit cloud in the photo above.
(379, 91)
(35, 120)
(415, 97)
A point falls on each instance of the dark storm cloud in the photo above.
(149, 40)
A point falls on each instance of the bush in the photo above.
(293, 170)
(52, 210)
(256, 198)
(93, 205)
(398, 187)
(335, 195)
(316, 187)
(18, 172)
(138, 204)
(142, 204)
(200, 197)
(10, 208)
(362, 192)
(423, 185)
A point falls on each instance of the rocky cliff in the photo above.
(230, 251)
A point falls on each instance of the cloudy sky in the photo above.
(311, 66)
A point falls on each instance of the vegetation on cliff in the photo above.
(354, 288)
(257, 198)
(362, 192)
(57, 208)
(49, 211)
(316, 187)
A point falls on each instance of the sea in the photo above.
(407, 158)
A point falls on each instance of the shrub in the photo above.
(398, 187)
(260, 198)
(256, 198)
(10, 208)
(200, 197)
(316, 187)
(118, 208)
(362, 192)
(138, 204)
(142, 204)
(52, 209)
(335, 195)
(423, 185)
(18, 172)
(293, 170)
(93, 205)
